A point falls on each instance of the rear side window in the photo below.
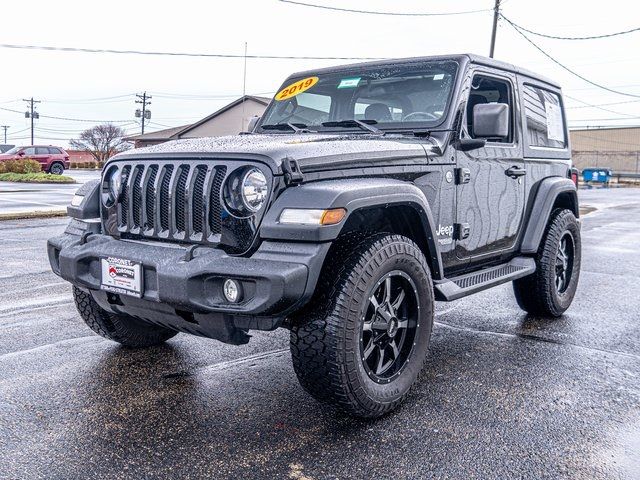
(42, 151)
(54, 151)
(544, 120)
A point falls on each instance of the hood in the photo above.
(311, 151)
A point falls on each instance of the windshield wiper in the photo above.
(296, 127)
(364, 125)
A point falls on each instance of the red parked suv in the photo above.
(52, 159)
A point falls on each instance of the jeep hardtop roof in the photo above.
(461, 58)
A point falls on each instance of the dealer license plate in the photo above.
(121, 276)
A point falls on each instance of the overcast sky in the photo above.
(73, 85)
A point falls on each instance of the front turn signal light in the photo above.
(333, 216)
(304, 216)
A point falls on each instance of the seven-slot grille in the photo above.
(177, 201)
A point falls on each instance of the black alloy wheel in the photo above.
(389, 326)
(564, 262)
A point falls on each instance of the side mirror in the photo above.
(21, 153)
(491, 120)
(468, 144)
(252, 123)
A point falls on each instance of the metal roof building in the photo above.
(617, 148)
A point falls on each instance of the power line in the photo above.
(599, 107)
(591, 37)
(517, 29)
(606, 119)
(114, 99)
(395, 14)
(176, 54)
(588, 105)
(69, 119)
(181, 96)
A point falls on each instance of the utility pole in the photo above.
(244, 85)
(31, 113)
(496, 14)
(5, 127)
(144, 114)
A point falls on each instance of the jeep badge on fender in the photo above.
(364, 194)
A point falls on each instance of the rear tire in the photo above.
(56, 168)
(363, 339)
(550, 290)
(126, 330)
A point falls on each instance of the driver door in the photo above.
(491, 187)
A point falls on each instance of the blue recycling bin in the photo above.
(597, 175)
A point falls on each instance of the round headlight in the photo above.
(111, 183)
(115, 182)
(254, 189)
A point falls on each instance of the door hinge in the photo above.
(461, 231)
(292, 173)
(463, 175)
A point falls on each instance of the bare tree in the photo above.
(101, 141)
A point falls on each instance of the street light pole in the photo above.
(496, 14)
(5, 127)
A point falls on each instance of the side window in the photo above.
(29, 151)
(42, 151)
(54, 151)
(490, 90)
(543, 113)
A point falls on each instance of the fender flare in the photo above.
(89, 207)
(546, 195)
(353, 195)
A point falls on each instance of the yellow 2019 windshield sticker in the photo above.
(296, 88)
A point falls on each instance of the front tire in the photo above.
(126, 330)
(363, 339)
(550, 290)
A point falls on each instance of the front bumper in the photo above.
(183, 287)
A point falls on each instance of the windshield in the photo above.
(391, 97)
(13, 151)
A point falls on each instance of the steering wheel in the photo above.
(417, 115)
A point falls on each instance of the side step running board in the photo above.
(458, 287)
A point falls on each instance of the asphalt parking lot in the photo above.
(503, 395)
(33, 197)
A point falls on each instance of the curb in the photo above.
(30, 215)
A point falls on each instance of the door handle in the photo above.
(515, 172)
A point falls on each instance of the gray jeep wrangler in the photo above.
(364, 194)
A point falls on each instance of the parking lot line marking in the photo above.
(32, 203)
(535, 338)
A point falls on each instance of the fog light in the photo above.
(232, 290)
